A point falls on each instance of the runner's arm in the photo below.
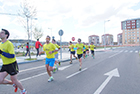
(7, 54)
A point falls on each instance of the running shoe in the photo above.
(16, 88)
(59, 63)
(50, 79)
(23, 91)
(80, 69)
(56, 67)
(93, 57)
(70, 62)
(76, 58)
(54, 70)
(86, 55)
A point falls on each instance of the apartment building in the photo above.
(119, 39)
(131, 31)
(107, 39)
(94, 39)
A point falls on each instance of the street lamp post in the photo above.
(105, 35)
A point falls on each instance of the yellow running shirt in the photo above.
(7, 47)
(92, 47)
(80, 46)
(57, 46)
(71, 47)
(87, 47)
(47, 48)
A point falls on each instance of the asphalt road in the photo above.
(111, 72)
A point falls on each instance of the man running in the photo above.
(80, 49)
(92, 49)
(10, 65)
(56, 55)
(37, 44)
(72, 51)
(49, 48)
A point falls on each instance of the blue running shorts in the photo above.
(50, 61)
(56, 56)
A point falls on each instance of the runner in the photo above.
(72, 51)
(56, 56)
(84, 52)
(27, 50)
(37, 44)
(10, 65)
(92, 49)
(87, 49)
(80, 49)
(49, 48)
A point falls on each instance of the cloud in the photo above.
(84, 14)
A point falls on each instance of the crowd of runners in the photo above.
(51, 49)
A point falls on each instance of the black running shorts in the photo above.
(79, 56)
(72, 52)
(11, 69)
(84, 52)
(92, 52)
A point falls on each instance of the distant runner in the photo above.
(72, 51)
(80, 49)
(92, 49)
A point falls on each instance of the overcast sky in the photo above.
(77, 18)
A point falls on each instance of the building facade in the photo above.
(94, 39)
(119, 39)
(131, 32)
(107, 39)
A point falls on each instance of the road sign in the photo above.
(73, 38)
(60, 32)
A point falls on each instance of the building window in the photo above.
(137, 32)
(128, 24)
(137, 35)
(133, 26)
(137, 29)
(128, 21)
(133, 21)
(137, 40)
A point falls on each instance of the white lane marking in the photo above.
(126, 51)
(110, 74)
(121, 51)
(32, 68)
(62, 68)
(33, 77)
(136, 51)
(76, 73)
(131, 51)
(114, 55)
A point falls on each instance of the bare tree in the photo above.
(37, 33)
(26, 13)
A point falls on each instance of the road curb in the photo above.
(31, 61)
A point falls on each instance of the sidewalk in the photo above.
(65, 57)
